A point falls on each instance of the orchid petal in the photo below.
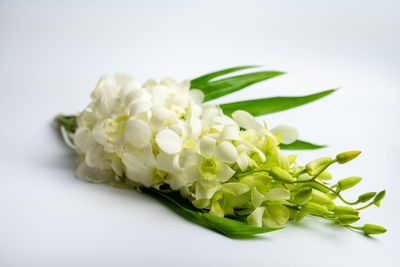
(207, 146)
(243, 161)
(245, 120)
(287, 133)
(137, 132)
(189, 157)
(255, 218)
(235, 188)
(169, 141)
(226, 152)
(197, 96)
(278, 194)
(224, 172)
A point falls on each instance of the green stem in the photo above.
(366, 206)
(354, 227)
(322, 170)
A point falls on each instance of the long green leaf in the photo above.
(200, 81)
(258, 107)
(228, 227)
(300, 145)
(218, 88)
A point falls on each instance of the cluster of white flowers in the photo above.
(158, 134)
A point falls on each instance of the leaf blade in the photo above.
(199, 81)
(219, 88)
(300, 145)
(228, 227)
(258, 107)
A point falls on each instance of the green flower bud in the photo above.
(316, 187)
(342, 210)
(325, 176)
(303, 196)
(346, 183)
(281, 175)
(377, 200)
(319, 197)
(316, 209)
(315, 166)
(300, 215)
(372, 229)
(365, 197)
(347, 156)
(331, 195)
(347, 219)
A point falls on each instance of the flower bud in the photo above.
(303, 196)
(347, 156)
(325, 176)
(342, 210)
(348, 182)
(319, 197)
(315, 166)
(377, 200)
(372, 229)
(316, 209)
(347, 219)
(281, 175)
(365, 197)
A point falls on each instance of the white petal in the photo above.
(135, 170)
(255, 149)
(122, 78)
(204, 193)
(288, 134)
(116, 166)
(256, 197)
(159, 115)
(207, 146)
(243, 161)
(230, 133)
(168, 163)
(139, 107)
(192, 173)
(195, 109)
(195, 126)
(137, 132)
(235, 188)
(148, 156)
(159, 93)
(169, 141)
(133, 96)
(197, 96)
(93, 175)
(278, 194)
(189, 157)
(245, 120)
(226, 152)
(98, 133)
(224, 172)
(177, 182)
(255, 218)
(65, 136)
(128, 87)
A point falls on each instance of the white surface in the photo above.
(51, 55)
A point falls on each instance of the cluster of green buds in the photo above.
(310, 194)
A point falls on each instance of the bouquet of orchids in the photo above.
(215, 163)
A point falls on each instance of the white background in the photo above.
(52, 53)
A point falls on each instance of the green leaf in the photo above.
(218, 88)
(204, 79)
(68, 122)
(258, 107)
(228, 227)
(300, 145)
